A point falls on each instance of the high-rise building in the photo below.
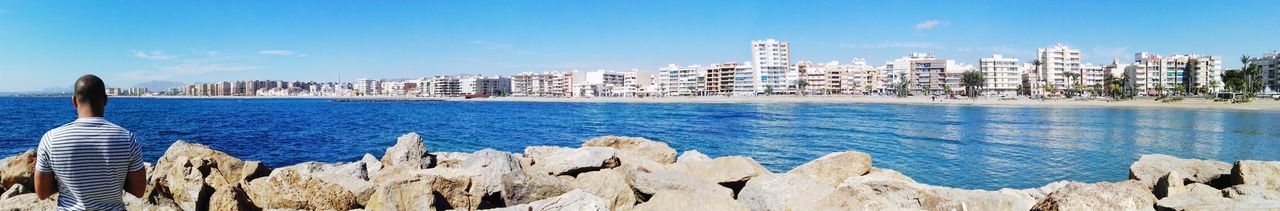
(1056, 62)
(1004, 75)
(545, 84)
(925, 73)
(1269, 66)
(599, 83)
(720, 77)
(490, 85)
(770, 62)
(675, 80)
(1153, 74)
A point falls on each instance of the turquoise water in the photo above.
(959, 146)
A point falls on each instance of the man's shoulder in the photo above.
(68, 128)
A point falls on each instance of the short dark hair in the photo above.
(90, 90)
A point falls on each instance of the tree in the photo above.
(973, 81)
(768, 90)
(902, 89)
(867, 89)
(802, 84)
(1072, 80)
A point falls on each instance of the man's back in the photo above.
(90, 159)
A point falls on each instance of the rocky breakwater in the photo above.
(625, 173)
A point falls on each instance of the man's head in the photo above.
(90, 96)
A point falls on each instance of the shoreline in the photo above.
(1258, 104)
(632, 173)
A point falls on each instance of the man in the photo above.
(89, 161)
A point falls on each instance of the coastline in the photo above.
(631, 173)
(1258, 104)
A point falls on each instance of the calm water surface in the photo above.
(959, 146)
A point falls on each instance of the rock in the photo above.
(652, 150)
(1247, 191)
(521, 188)
(1098, 196)
(135, 203)
(692, 155)
(1032, 195)
(231, 168)
(450, 159)
(667, 200)
(408, 194)
(180, 182)
(1168, 185)
(889, 174)
(18, 170)
(834, 168)
(231, 197)
(290, 189)
(610, 185)
(350, 176)
(730, 171)
(573, 200)
(1197, 197)
(782, 192)
(14, 191)
(1260, 173)
(883, 193)
(29, 202)
(1150, 168)
(408, 151)
(652, 183)
(371, 164)
(568, 161)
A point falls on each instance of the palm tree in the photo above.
(1071, 76)
(972, 80)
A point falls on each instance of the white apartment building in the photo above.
(599, 83)
(490, 85)
(675, 80)
(770, 60)
(545, 84)
(858, 77)
(443, 86)
(636, 83)
(1055, 61)
(1152, 74)
(1092, 75)
(1004, 75)
(1269, 66)
(368, 87)
(925, 72)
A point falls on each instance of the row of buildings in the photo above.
(770, 70)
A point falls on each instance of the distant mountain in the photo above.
(159, 86)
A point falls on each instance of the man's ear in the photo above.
(75, 102)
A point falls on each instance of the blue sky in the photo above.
(48, 44)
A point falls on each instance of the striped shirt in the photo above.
(89, 158)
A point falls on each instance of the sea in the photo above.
(973, 147)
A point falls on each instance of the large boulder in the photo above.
(290, 189)
(692, 155)
(882, 193)
(231, 197)
(188, 174)
(450, 159)
(408, 151)
(569, 161)
(653, 150)
(649, 183)
(1250, 192)
(1033, 195)
(1168, 185)
(730, 171)
(417, 193)
(1098, 196)
(1260, 173)
(14, 191)
(1149, 168)
(573, 200)
(28, 202)
(667, 200)
(832, 169)
(18, 170)
(782, 192)
(610, 185)
(350, 176)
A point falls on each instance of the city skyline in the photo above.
(207, 42)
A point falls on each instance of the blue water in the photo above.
(960, 146)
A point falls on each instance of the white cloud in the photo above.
(153, 55)
(929, 24)
(277, 52)
(915, 45)
(500, 47)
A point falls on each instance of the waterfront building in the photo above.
(1152, 74)
(770, 62)
(444, 86)
(1003, 75)
(490, 85)
(1092, 75)
(636, 83)
(675, 80)
(1269, 66)
(545, 84)
(926, 73)
(859, 77)
(820, 78)
(720, 77)
(599, 83)
(368, 87)
(1056, 61)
